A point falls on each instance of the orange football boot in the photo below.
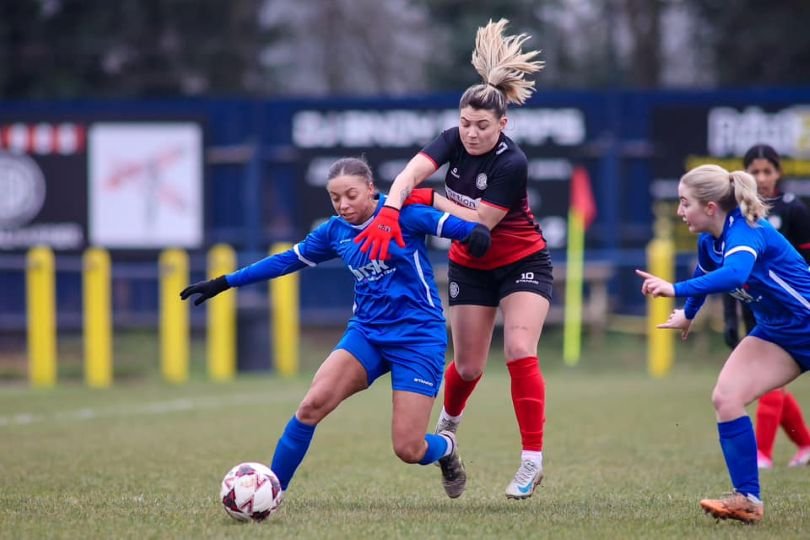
(745, 508)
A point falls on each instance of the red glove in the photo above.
(420, 196)
(379, 233)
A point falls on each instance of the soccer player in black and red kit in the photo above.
(486, 182)
(788, 214)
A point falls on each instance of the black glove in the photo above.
(478, 241)
(206, 289)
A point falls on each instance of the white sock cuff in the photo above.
(454, 419)
(533, 456)
(451, 444)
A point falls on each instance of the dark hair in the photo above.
(762, 151)
(350, 166)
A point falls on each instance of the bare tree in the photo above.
(358, 47)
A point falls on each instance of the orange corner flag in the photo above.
(582, 196)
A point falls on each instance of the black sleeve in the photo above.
(443, 147)
(730, 310)
(799, 227)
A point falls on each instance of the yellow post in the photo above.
(221, 344)
(98, 372)
(661, 343)
(572, 332)
(41, 299)
(285, 322)
(173, 266)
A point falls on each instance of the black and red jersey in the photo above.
(497, 178)
(790, 216)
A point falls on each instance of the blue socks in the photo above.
(437, 448)
(294, 443)
(291, 449)
(740, 450)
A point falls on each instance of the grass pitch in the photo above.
(625, 457)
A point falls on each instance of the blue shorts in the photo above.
(415, 368)
(795, 339)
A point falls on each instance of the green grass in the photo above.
(625, 456)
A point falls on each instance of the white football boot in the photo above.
(526, 479)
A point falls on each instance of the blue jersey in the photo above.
(394, 300)
(758, 266)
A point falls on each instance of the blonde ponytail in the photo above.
(745, 193)
(712, 183)
(502, 65)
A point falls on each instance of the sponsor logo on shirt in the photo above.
(371, 271)
(454, 172)
(744, 296)
(463, 200)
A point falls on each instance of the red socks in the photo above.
(529, 400)
(456, 390)
(769, 413)
(793, 422)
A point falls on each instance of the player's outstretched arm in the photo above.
(270, 267)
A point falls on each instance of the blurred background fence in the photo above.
(139, 176)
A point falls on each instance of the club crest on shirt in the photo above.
(481, 181)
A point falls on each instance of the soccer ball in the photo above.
(250, 491)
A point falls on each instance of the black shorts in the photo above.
(468, 286)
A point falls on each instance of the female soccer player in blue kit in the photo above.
(398, 324)
(739, 251)
(486, 182)
(788, 214)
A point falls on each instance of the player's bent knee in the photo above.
(411, 450)
(312, 409)
(468, 373)
(519, 350)
(726, 404)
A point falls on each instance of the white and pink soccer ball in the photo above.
(250, 491)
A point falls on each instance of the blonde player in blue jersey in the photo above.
(398, 325)
(740, 252)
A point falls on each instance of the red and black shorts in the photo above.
(469, 286)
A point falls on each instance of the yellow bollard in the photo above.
(41, 300)
(285, 319)
(98, 366)
(661, 343)
(221, 337)
(174, 347)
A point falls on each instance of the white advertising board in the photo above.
(145, 184)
